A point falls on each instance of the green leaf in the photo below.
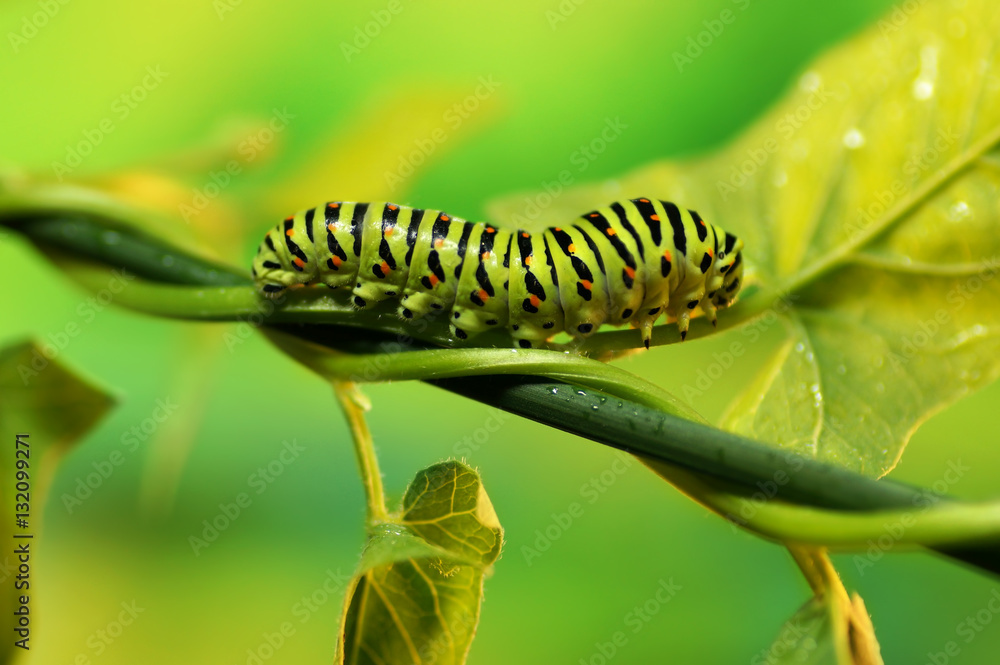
(55, 407)
(868, 201)
(417, 592)
(808, 637)
(828, 630)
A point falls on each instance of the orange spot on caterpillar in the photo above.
(388, 231)
(485, 256)
(586, 284)
(483, 295)
(611, 231)
(710, 253)
(385, 268)
(572, 248)
(334, 205)
(289, 218)
(655, 218)
(702, 222)
(490, 229)
(439, 243)
(445, 218)
(393, 206)
(534, 301)
(290, 232)
(524, 234)
(433, 279)
(299, 262)
(332, 228)
(337, 261)
(527, 260)
(593, 214)
(558, 229)
(668, 256)
(630, 271)
(644, 200)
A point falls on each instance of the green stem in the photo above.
(449, 363)
(354, 405)
(945, 524)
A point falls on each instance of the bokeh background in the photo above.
(560, 72)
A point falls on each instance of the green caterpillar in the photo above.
(629, 262)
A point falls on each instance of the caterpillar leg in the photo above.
(711, 313)
(683, 322)
(273, 291)
(645, 327)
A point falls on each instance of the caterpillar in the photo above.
(629, 262)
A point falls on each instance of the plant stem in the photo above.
(449, 363)
(354, 405)
(817, 568)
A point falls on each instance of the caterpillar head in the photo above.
(729, 267)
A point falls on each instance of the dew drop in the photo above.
(111, 237)
(854, 139)
(923, 90)
(959, 211)
(800, 347)
(923, 87)
(810, 82)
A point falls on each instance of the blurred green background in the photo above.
(561, 71)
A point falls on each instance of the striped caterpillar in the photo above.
(629, 262)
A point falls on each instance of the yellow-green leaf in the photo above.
(827, 630)
(417, 592)
(869, 199)
(45, 407)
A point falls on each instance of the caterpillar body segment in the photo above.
(629, 262)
